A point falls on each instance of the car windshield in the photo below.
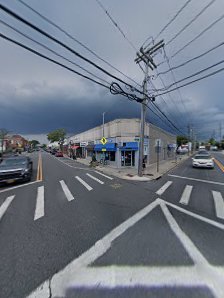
(202, 157)
(13, 162)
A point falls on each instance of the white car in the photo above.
(203, 161)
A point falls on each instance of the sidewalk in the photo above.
(150, 172)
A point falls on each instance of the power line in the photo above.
(192, 75)
(173, 18)
(191, 22)
(76, 40)
(199, 35)
(52, 51)
(10, 12)
(116, 25)
(190, 60)
(191, 82)
(51, 60)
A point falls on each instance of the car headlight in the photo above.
(24, 171)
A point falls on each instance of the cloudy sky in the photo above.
(37, 96)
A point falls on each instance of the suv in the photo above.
(16, 168)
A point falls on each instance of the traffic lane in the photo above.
(35, 158)
(200, 200)
(185, 169)
(35, 250)
(133, 254)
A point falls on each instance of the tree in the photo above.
(3, 134)
(34, 143)
(181, 140)
(56, 135)
(212, 141)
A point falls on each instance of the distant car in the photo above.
(59, 154)
(53, 151)
(16, 168)
(203, 152)
(202, 161)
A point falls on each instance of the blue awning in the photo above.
(106, 147)
(130, 146)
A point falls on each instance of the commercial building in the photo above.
(121, 147)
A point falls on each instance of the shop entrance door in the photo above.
(128, 158)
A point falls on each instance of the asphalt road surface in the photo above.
(78, 233)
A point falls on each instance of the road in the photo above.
(77, 233)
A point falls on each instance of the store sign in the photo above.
(83, 144)
(104, 149)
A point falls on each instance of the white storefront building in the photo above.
(122, 143)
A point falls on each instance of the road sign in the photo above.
(103, 141)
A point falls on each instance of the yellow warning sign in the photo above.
(103, 141)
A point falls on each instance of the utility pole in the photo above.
(145, 56)
(103, 123)
(189, 137)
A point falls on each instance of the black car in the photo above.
(16, 168)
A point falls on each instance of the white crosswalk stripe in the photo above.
(186, 195)
(39, 211)
(164, 188)
(5, 205)
(66, 190)
(87, 186)
(94, 178)
(104, 175)
(219, 204)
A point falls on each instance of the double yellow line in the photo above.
(39, 169)
(219, 164)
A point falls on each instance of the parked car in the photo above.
(59, 154)
(16, 168)
(53, 151)
(203, 161)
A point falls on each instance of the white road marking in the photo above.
(22, 185)
(212, 277)
(77, 274)
(39, 211)
(186, 195)
(43, 291)
(104, 175)
(164, 188)
(194, 179)
(84, 183)
(197, 216)
(67, 192)
(94, 178)
(5, 205)
(61, 279)
(219, 204)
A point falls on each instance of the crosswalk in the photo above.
(40, 194)
(186, 197)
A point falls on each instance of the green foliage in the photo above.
(34, 143)
(181, 140)
(56, 135)
(212, 141)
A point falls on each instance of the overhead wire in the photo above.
(191, 82)
(116, 25)
(191, 22)
(190, 60)
(192, 75)
(13, 14)
(52, 51)
(76, 40)
(173, 18)
(198, 36)
(50, 59)
(132, 45)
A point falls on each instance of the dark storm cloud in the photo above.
(36, 96)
